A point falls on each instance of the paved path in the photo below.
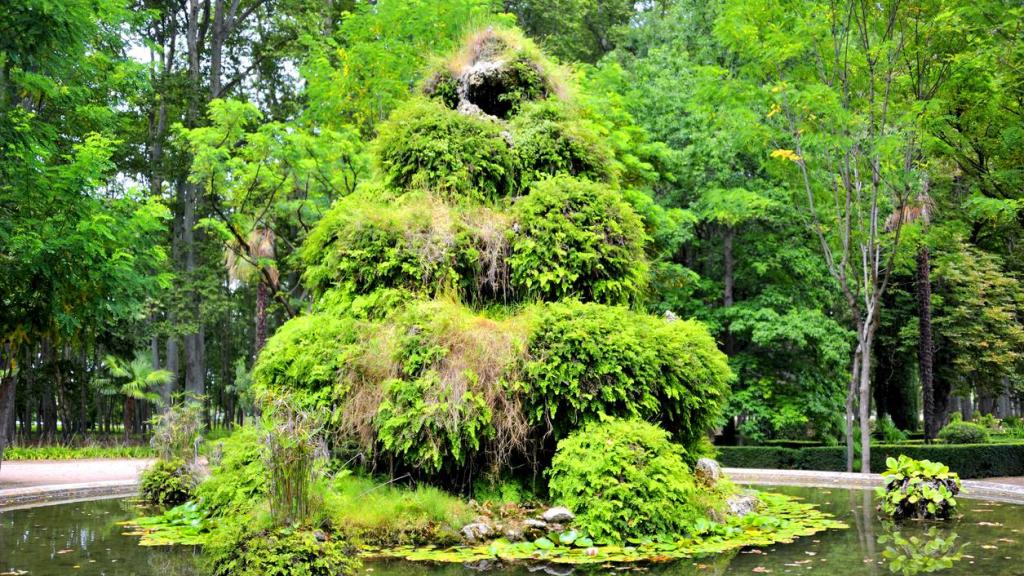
(1001, 489)
(23, 482)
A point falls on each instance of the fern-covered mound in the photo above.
(481, 297)
(478, 317)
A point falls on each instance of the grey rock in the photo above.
(742, 504)
(558, 514)
(670, 316)
(708, 472)
(476, 532)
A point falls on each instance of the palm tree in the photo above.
(250, 262)
(920, 211)
(137, 381)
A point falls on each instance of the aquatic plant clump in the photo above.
(626, 479)
(918, 489)
(243, 550)
(168, 482)
(782, 519)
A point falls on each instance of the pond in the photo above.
(83, 539)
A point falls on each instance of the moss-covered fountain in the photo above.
(478, 328)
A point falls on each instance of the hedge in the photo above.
(968, 460)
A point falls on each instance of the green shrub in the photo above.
(766, 457)
(889, 432)
(822, 458)
(247, 550)
(625, 479)
(968, 460)
(588, 360)
(580, 239)
(446, 394)
(76, 453)
(918, 489)
(177, 429)
(416, 243)
(988, 421)
(305, 353)
(424, 145)
(238, 475)
(167, 483)
(294, 447)
(547, 141)
(964, 433)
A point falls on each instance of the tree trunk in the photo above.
(8, 387)
(850, 396)
(925, 348)
(261, 316)
(865, 399)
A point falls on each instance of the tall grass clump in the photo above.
(294, 448)
(176, 431)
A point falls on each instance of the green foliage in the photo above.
(964, 433)
(238, 476)
(550, 141)
(913, 555)
(364, 70)
(415, 243)
(983, 348)
(577, 238)
(969, 460)
(430, 426)
(76, 453)
(366, 511)
(176, 430)
(889, 432)
(294, 447)
(781, 519)
(247, 550)
(588, 360)
(167, 483)
(626, 479)
(447, 397)
(988, 421)
(424, 145)
(918, 489)
(306, 354)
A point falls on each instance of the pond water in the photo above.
(84, 539)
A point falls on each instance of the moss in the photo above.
(424, 145)
(588, 360)
(626, 479)
(417, 243)
(167, 483)
(248, 549)
(306, 354)
(579, 239)
(549, 141)
(373, 512)
(442, 401)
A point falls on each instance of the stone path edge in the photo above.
(15, 498)
(976, 489)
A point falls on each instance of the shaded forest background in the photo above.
(835, 217)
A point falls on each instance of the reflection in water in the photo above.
(937, 549)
